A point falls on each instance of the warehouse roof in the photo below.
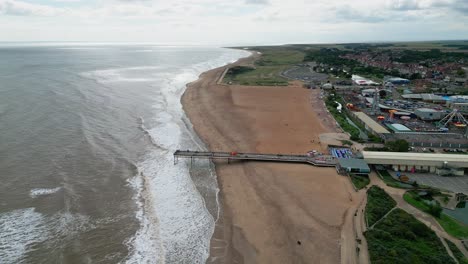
(426, 97)
(374, 157)
(430, 110)
(399, 127)
(376, 127)
(354, 164)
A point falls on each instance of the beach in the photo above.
(272, 212)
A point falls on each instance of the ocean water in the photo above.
(87, 134)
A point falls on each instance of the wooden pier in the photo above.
(321, 161)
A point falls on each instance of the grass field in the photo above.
(401, 238)
(268, 67)
(390, 181)
(359, 182)
(262, 76)
(456, 252)
(378, 204)
(450, 225)
(453, 227)
(275, 59)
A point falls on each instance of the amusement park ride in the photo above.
(455, 118)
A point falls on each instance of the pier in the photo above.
(319, 160)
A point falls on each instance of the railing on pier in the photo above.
(322, 160)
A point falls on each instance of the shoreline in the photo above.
(274, 213)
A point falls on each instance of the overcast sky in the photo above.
(232, 22)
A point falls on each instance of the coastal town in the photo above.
(391, 120)
(234, 132)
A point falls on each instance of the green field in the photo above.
(378, 204)
(401, 238)
(450, 225)
(456, 252)
(359, 182)
(453, 227)
(268, 67)
(390, 181)
(276, 59)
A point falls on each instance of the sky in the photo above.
(233, 22)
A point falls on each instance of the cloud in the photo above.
(404, 5)
(257, 2)
(18, 8)
(253, 20)
(351, 14)
(461, 6)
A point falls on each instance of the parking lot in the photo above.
(454, 184)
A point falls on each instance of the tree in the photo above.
(415, 76)
(382, 93)
(395, 72)
(435, 209)
(399, 145)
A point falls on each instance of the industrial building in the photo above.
(432, 98)
(370, 124)
(429, 114)
(354, 166)
(454, 164)
(398, 127)
(462, 107)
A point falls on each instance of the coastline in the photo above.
(269, 213)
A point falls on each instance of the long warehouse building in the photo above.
(431, 162)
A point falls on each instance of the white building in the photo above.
(430, 162)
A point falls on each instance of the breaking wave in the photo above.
(43, 191)
(175, 224)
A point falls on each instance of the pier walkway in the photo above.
(322, 160)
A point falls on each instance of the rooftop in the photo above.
(430, 157)
(376, 127)
(399, 127)
(427, 110)
(359, 164)
(426, 97)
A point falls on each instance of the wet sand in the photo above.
(271, 212)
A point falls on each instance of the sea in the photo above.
(87, 136)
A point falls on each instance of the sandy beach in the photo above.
(271, 212)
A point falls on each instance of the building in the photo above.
(429, 114)
(398, 81)
(454, 164)
(362, 81)
(354, 166)
(368, 92)
(432, 98)
(372, 91)
(398, 127)
(369, 123)
(461, 107)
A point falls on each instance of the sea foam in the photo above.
(19, 229)
(22, 228)
(175, 225)
(34, 193)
